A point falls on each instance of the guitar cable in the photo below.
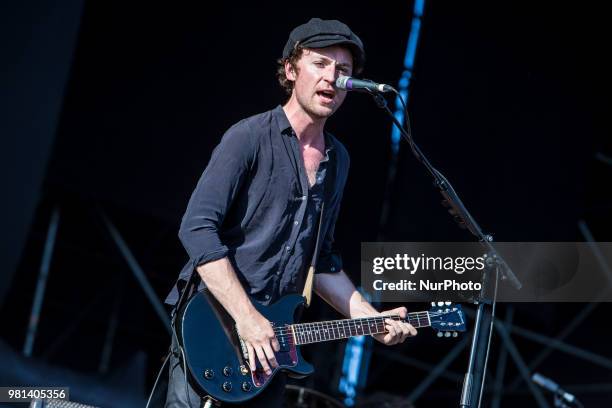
(184, 367)
(159, 374)
(190, 287)
(173, 314)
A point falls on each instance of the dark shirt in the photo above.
(253, 204)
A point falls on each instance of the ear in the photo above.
(290, 71)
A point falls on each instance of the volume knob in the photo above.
(208, 373)
(246, 386)
(227, 386)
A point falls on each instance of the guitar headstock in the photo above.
(447, 319)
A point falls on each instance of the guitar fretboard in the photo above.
(306, 333)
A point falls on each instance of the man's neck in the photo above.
(309, 130)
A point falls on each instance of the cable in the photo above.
(161, 370)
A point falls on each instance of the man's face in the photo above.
(317, 71)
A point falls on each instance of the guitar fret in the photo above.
(296, 334)
(315, 332)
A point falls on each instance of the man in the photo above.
(251, 224)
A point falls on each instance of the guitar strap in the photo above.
(186, 293)
(307, 293)
(330, 180)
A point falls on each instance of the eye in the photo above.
(319, 64)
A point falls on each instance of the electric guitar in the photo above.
(216, 360)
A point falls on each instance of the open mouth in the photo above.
(326, 96)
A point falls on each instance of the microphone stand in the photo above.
(473, 382)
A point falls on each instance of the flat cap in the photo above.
(318, 33)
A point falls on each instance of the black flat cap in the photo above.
(318, 33)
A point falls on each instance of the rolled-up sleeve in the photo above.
(218, 186)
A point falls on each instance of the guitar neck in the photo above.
(306, 333)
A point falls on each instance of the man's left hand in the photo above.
(398, 331)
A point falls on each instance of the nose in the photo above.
(330, 74)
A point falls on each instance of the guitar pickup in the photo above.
(285, 338)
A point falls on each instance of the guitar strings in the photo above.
(286, 333)
(378, 319)
(311, 335)
(355, 322)
(318, 329)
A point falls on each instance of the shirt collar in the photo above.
(285, 128)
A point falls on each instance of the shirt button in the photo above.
(267, 297)
(278, 273)
(332, 269)
(287, 248)
(304, 198)
(296, 222)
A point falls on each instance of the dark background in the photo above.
(510, 100)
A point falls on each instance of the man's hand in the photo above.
(397, 331)
(258, 335)
(338, 290)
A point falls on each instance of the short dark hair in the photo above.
(293, 58)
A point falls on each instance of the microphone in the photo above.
(553, 387)
(363, 85)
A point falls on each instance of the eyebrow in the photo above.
(329, 60)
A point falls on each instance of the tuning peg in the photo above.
(447, 303)
(440, 334)
(433, 303)
(455, 334)
(447, 334)
(440, 303)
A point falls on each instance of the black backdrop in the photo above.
(508, 99)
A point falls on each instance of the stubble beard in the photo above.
(314, 109)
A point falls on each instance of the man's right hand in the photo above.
(258, 335)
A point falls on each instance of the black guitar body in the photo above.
(213, 353)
